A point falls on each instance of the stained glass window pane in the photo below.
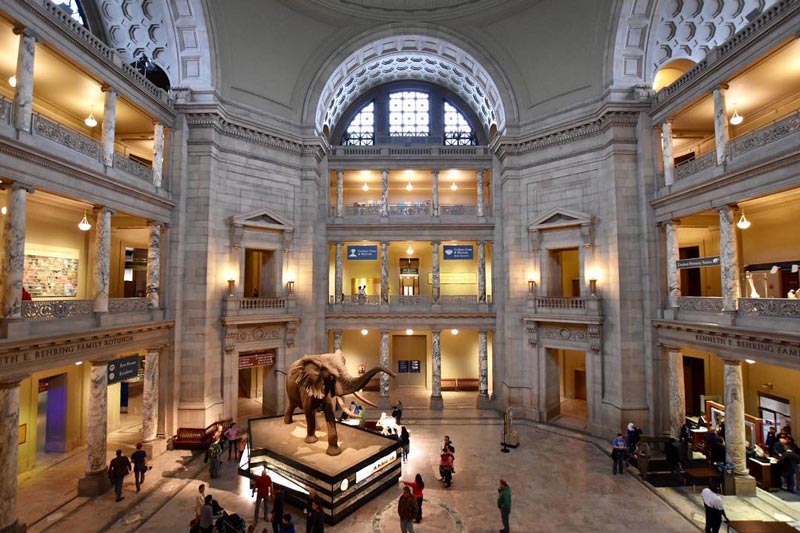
(408, 114)
(457, 130)
(361, 130)
(72, 8)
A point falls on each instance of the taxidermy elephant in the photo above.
(322, 380)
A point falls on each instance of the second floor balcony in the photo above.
(778, 314)
(567, 308)
(425, 303)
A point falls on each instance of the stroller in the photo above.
(230, 523)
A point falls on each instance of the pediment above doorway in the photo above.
(263, 218)
(560, 218)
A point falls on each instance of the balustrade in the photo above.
(547, 302)
(771, 307)
(763, 136)
(257, 304)
(367, 299)
(5, 110)
(700, 304)
(410, 210)
(56, 309)
(702, 162)
(126, 164)
(127, 305)
(54, 131)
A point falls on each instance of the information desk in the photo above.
(765, 472)
(368, 464)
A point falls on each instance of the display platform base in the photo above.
(368, 464)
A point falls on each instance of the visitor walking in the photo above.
(405, 442)
(634, 436)
(308, 510)
(618, 449)
(417, 487)
(213, 458)
(232, 435)
(262, 491)
(200, 500)
(446, 468)
(397, 412)
(206, 521)
(139, 458)
(714, 508)
(277, 507)
(315, 520)
(119, 468)
(504, 503)
(407, 510)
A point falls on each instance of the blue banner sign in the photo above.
(402, 367)
(459, 251)
(362, 253)
(122, 369)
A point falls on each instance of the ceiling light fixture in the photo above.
(364, 331)
(743, 222)
(90, 120)
(454, 187)
(454, 331)
(409, 187)
(84, 225)
(3, 210)
(78, 363)
(409, 331)
(12, 81)
(749, 361)
(410, 250)
(365, 187)
(736, 119)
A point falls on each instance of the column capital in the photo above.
(722, 87)
(338, 171)
(436, 243)
(668, 347)
(385, 331)
(106, 88)
(385, 243)
(725, 207)
(25, 31)
(672, 222)
(435, 171)
(436, 331)
(9, 382)
(154, 223)
(98, 209)
(731, 362)
(18, 185)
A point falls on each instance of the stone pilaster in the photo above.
(339, 193)
(14, 241)
(338, 272)
(482, 272)
(677, 393)
(385, 362)
(721, 132)
(109, 125)
(735, 434)
(150, 397)
(673, 276)
(479, 185)
(23, 96)
(158, 153)
(729, 262)
(385, 273)
(154, 265)
(9, 437)
(102, 260)
(436, 372)
(337, 339)
(435, 173)
(483, 363)
(436, 274)
(384, 193)
(666, 148)
(96, 481)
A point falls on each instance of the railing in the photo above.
(457, 210)
(367, 299)
(359, 210)
(57, 309)
(5, 110)
(424, 150)
(773, 307)
(706, 160)
(127, 305)
(257, 304)
(548, 302)
(410, 210)
(766, 135)
(458, 299)
(54, 131)
(132, 167)
(700, 304)
(417, 299)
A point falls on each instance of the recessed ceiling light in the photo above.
(454, 331)
(409, 331)
(364, 331)
(409, 187)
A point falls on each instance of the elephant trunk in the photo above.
(352, 384)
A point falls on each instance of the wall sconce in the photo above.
(593, 287)
(531, 287)
(231, 283)
(290, 287)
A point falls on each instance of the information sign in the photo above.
(415, 366)
(254, 359)
(362, 252)
(122, 369)
(402, 367)
(698, 262)
(464, 252)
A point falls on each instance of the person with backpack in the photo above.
(119, 468)
(213, 458)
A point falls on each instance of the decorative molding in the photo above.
(231, 129)
(57, 309)
(595, 332)
(700, 304)
(564, 333)
(291, 332)
(688, 168)
(533, 334)
(48, 129)
(772, 307)
(127, 305)
(231, 333)
(764, 136)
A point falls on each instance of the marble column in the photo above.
(14, 241)
(666, 149)
(9, 444)
(677, 392)
(338, 272)
(436, 371)
(483, 363)
(673, 254)
(150, 397)
(96, 481)
(482, 272)
(385, 273)
(729, 261)
(479, 185)
(337, 339)
(102, 259)
(339, 193)
(154, 265)
(158, 153)
(109, 125)
(734, 416)
(385, 362)
(435, 173)
(721, 132)
(436, 274)
(23, 96)
(384, 193)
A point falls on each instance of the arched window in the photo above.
(409, 114)
(361, 130)
(73, 9)
(457, 130)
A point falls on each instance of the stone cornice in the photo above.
(251, 320)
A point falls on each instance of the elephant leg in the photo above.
(330, 421)
(311, 421)
(287, 417)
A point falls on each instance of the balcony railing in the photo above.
(260, 304)
(368, 299)
(127, 305)
(550, 305)
(134, 168)
(410, 210)
(57, 309)
(458, 299)
(459, 210)
(371, 210)
(359, 210)
(54, 131)
(700, 304)
(547, 302)
(769, 307)
(766, 135)
(706, 160)
(424, 150)
(415, 300)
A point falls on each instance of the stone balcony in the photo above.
(249, 307)
(557, 309)
(769, 314)
(451, 303)
(52, 317)
(423, 212)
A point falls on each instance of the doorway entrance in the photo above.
(261, 274)
(694, 381)
(51, 423)
(257, 383)
(409, 353)
(409, 276)
(565, 273)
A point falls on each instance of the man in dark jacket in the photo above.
(407, 510)
(315, 519)
(504, 503)
(277, 507)
(119, 468)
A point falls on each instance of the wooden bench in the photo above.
(460, 384)
(198, 438)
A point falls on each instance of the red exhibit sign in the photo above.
(252, 359)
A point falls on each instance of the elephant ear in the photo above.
(310, 374)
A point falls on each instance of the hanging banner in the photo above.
(122, 369)
(698, 262)
(362, 252)
(463, 252)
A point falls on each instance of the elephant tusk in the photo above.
(345, 410)
(362, 399)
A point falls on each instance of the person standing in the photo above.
(309, 508)
(504, 503)
(446, 468)
(362, 417)
(397, 412)
(277, 507)
(714, 508)
(407, 510)
(448, 447)
(262, 490)
(200, 500)
(315, 520)
(406, 442)
(286, 525)
(417, 487)
(139, 458)
(618, 448)
(119, 468)
(213, 457)
(634, 436)
(206, 521)
(232, 435)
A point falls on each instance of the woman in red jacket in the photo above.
(417, 487)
